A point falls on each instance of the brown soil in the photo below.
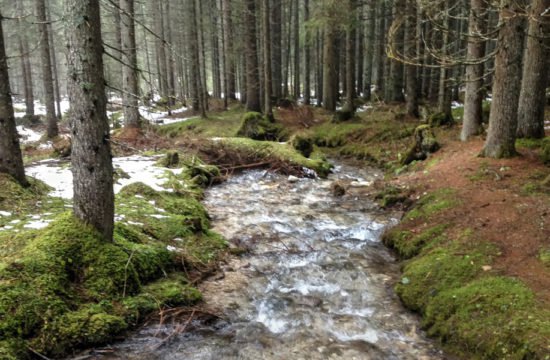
(494, 205)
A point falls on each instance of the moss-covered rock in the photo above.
(343, 115)
(408, 244)
(303, 145)
(259, 127)
(424, 144)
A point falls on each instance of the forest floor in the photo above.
(475, 237)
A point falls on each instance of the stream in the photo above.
(316, 283)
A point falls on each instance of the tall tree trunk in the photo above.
(379, 48)
(535, 73)
(307, 58)
(26, 69)
(473, 98)
(360, 52)
(267, 60)
(253, 102)
(330, 75)
(410, 52)
(161, 49)
(215, 44)
(296, 90)
(129, 68)
(229, 51)
(350, 63)
(170, 62)
(320, 68)
(444, 94)
(11, 161)
(57, 91)
(193, 49)
(276, 56)
(503, 121)
(91, 151)
(396, 67)
(370, 49)
(45, 59)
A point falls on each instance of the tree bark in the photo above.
(410, 52)
(11, 161)
(229, 51)
(91, 151)
(26, 69)
(160, 48)
(45, 59)
(535, 73)
(444, 94)
(253, 102)
(296, 16)
(501, 136)
(129, 64)
(276, 56)
(473, 100)
(369, 47)
(329, 69)
(307, 58)
(267, 59)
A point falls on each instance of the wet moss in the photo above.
(259, 127)
(408, 244)
(492, 317)
(433, 203)
(303, 145)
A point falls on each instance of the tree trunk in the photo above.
(396, 67)
(161, 49)
(307, 58)
(370, 48)
(170, 62)
(319, 69)
(350, 63)
(91, 151)
(473, 99)
(410, 52)
(276, 56)
(11, 161)
(501, 136)
(535, 73)
(267, 60)
(329, 69)
(55, 73)
(378, 65)
(45, 59)
(253, 102)
(129, 68)
(193, 49)
(444, 94)
(229, 51)
(26, 69)
(296, 90)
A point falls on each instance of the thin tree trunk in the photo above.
(473, 98)
(170, 63)
(370, 49)
(11, 161)
(296, 90)
(267, 60)
(91, 152)
(350, 64)
(396, 67)
(535, 73)
(276, 39)
(45, 59)
(229, 50)
(161, 50)
(444, 95)
(501, 137)
(57, 91)
(26, 69)
(253, 102)
(410, 52)
(307, 58)
(129, 68)
(329, 69)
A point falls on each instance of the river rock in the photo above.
(338, 189)
(293, 179)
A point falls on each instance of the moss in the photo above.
(408, 244)
(441, 269)
(259, 127)
(343, 115)
(440, 119)
(13, 349)
(334, 135)
(273, 152)
(170, 160)
(303, 145)
(493, 317)
(433, 203)
(528, 143)
(544, 257)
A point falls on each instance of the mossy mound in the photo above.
(303, 145)
(464, 304)
(64, 287)
(342, 116)
(259, 127)
(242, 153)
(441, 119)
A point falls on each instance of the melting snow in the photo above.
(28, 135)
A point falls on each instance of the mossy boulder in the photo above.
(259, 127)
(303, 145)
(170, 160)
(425, 143)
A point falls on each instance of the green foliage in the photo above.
(303, 145)
(544, 256)
(545, 151)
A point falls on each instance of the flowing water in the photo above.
(317, 283)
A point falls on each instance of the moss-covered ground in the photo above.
(64, 287)
(448, 277)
